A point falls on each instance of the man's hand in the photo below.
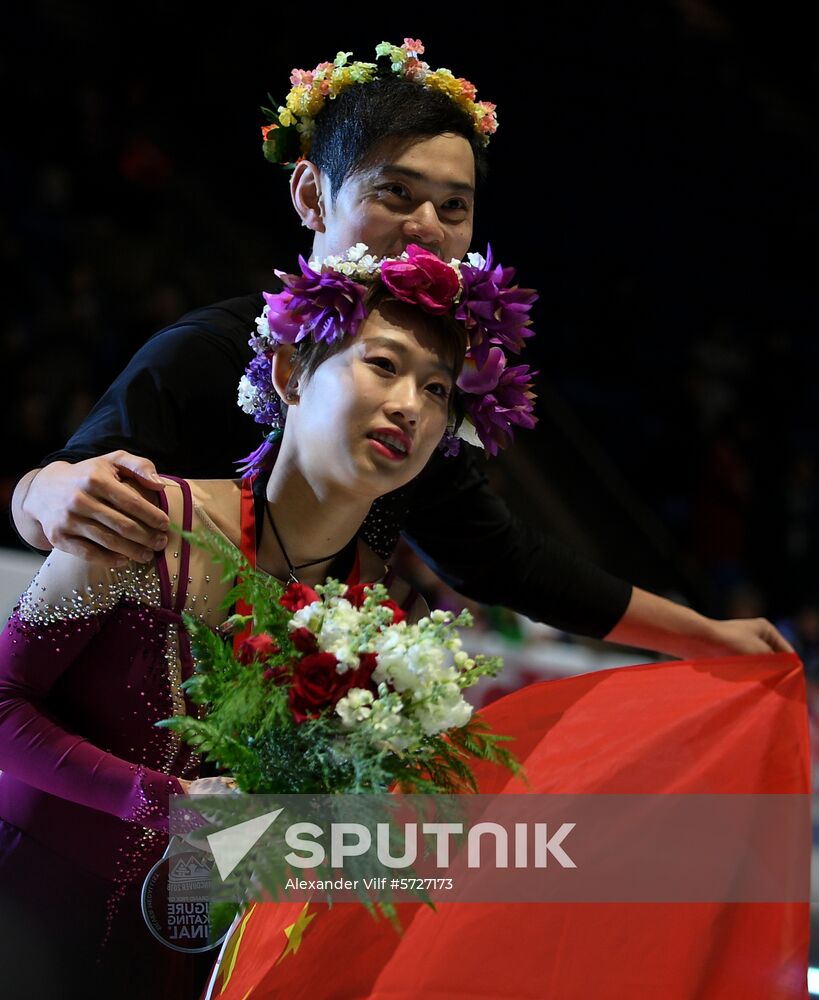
(94, 509)
(654, 623)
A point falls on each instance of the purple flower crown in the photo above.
(326, 302)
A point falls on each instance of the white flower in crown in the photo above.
(247, 395)
(357, 252)
(466, 432)
(262, 326)
(356, 263)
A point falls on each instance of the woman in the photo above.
(365, 356)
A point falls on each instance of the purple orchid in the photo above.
(257, 460)
(450, 444)
(260, 375)
(324, 306)
(497, 398)
(494, 310)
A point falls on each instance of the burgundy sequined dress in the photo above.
(89, 661)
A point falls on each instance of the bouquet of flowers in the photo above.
(331, 690)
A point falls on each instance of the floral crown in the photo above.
(291, 126)
(326, 302)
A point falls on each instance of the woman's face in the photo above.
(369, 418)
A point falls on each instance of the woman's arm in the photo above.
(58, 618)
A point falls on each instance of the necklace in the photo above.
(291, 576)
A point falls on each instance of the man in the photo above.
(392, 161)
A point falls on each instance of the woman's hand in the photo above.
(221, 784)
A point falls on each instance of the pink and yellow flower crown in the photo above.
(326, 302)
(313, 88)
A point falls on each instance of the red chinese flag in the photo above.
(735, 725)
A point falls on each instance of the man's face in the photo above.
(421, 194)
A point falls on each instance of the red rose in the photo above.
(423, 280)
(362, 677)
(257, 647)
(316, 685)
(304, 640)
(278, 675)
(367, 662)
(357, 593)
(298, 596)
(397, 614)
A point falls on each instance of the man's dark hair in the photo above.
(352, 127)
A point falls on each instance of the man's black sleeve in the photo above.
(175, 402)
(469, 537)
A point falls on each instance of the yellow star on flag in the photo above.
(231, 954)
(295, 932)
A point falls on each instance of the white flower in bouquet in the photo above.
(339, 633)
(309, 617)
(444, 709)
(355, 707)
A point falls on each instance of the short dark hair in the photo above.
(352, 127)
(310, 354)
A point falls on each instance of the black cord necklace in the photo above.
(291, 577)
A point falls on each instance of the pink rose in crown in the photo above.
(422, 279)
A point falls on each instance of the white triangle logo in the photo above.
(230, 846)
